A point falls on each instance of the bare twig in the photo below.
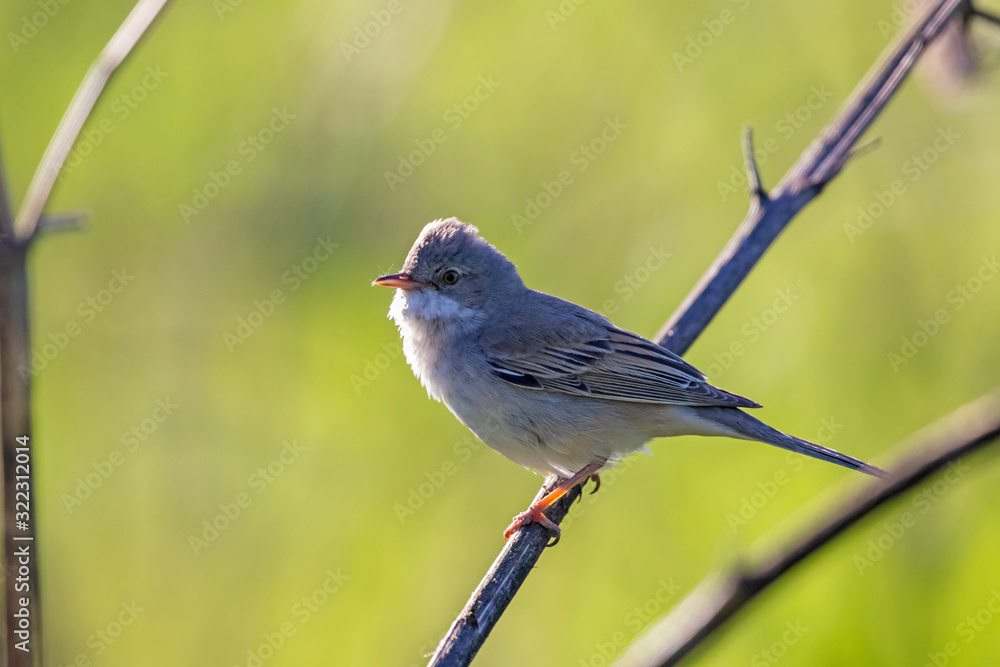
(767, 217)
(16, 237)
(86, 96)
(721, 596)
(820, 163)
(61, 222)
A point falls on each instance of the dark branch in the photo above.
(767, 217)
(498, 587)
(804, 181)
(121, 44)
(721, 596)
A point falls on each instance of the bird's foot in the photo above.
(533, 514)
(536, 513)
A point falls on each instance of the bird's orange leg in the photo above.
(535, 513)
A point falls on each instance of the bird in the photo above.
(549, 384)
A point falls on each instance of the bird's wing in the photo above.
(569, 349)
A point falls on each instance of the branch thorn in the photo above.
(754, 186)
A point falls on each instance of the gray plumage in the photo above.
(547, 383)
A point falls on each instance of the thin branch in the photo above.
(764, 221)
(986, 16)
(501, 583)
(86, 96)
(721, 596)
(16, 235)
(820, 163)
(61, 222)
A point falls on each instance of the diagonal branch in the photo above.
(767, 217)
(720, 597)
(816, 167)
(86, 96)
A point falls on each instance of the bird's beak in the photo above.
(401, 280)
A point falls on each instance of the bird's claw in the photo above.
(533, 515)
(596, 479)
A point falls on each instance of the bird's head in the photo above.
(451, 272)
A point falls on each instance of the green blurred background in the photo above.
(322, 370)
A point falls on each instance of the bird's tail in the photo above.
(751, 428)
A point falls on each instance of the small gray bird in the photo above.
(545, 382)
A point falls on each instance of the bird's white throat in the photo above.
(431, 305)
(428, 321)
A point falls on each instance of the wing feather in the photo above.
(585, 355)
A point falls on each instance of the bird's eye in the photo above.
(450, 277)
